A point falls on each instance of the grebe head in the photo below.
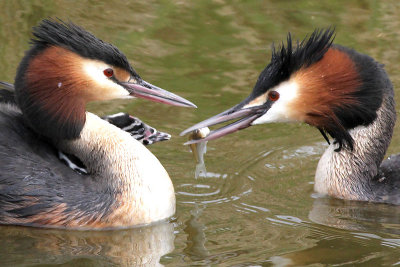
(327, 86)
(65, 68)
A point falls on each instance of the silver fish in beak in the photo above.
(199, 149)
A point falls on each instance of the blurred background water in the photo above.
(255, 206)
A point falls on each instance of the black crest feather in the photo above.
(286, 60)
(307, 52)
(76, 39)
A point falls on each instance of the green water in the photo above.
(256, 206)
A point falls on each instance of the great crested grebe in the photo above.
(65, 68)
(346, 95)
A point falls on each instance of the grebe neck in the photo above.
(353, 174)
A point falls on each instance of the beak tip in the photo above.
(187, 103)
(191, 105)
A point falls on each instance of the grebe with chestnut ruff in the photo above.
(65, 68)
(344, 94)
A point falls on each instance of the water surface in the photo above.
(256, 204)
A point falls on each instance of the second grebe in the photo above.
(346, 95)
(65, 68)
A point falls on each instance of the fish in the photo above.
(199, 149)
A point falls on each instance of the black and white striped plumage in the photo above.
(139, 130)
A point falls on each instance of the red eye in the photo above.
(108, 72)
(273, 95)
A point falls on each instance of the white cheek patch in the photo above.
(280, 109)
(107, 89)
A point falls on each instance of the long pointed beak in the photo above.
(151, 92)
(245, 117)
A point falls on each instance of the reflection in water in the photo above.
(356, 215)
(196, 238)
(321, 253)
(361, 220)
(131, 247)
